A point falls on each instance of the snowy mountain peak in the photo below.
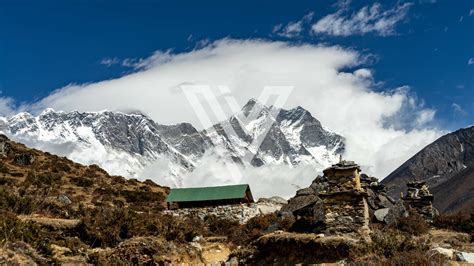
(133, 145)
(253, 106)
(47, 111)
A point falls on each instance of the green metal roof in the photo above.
(207, 193)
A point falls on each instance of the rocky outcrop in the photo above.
(24, 159)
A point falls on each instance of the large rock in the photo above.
(5, 147)
(398, 210)
(380, 214)
(300, 202)
(24, 159)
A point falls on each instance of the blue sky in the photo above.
(46, 46)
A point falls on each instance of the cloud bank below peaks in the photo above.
(327, 81)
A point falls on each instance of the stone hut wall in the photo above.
(345, 212)
(240, 212)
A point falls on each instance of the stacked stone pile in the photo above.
(419, 199)
(337, 200)
(380, 203)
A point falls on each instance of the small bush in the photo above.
(458, 222)
(413, 224)
(17, 174)
(16, 203)
(254, 228)
(42, 179)
(6, 181)
(387, 242)
(105, 227)
(220, 227)
(12, 229)
(3, 168)
(82, 181)
(62, 166)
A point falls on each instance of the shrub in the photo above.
(6, 181)
(82, 181)
(12, 229)
(42, 179)
(105, 227)
(17, 203)
(145, 196)
(3, 168)
(387, 242)
(458, 222)
(413, 224)
(17, 174)
(62, 166)
(254, 228)
(180, 229)
(220, 227)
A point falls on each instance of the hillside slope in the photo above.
(447, 165)
(32, 181)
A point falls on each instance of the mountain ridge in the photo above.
(127, 143)
(447, 165)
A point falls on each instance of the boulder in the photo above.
(380, 214)
(5, 147)
(305, 192)
(384, 201)
(300, 202)
(64, 199)
(24, 159)
(465, 257)
(398, 210)
(273, 200)
(443, 252)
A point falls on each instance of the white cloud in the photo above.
(471, 12)
(284, 180)
(342, 101)
(470, 61)
(7, 106)
(458, 109)
(294, 28)
(369, 19)
(109, 61)
(424, 116)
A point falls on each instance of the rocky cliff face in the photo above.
(447, 165)
(127, 143)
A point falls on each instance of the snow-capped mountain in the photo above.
(270, 135)
(121, 143)
(128, 143)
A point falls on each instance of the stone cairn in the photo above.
(337, 200)
(344, 203)
(419, 199)
(344, 200)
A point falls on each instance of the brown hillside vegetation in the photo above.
(37, 182)
(55, 211)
